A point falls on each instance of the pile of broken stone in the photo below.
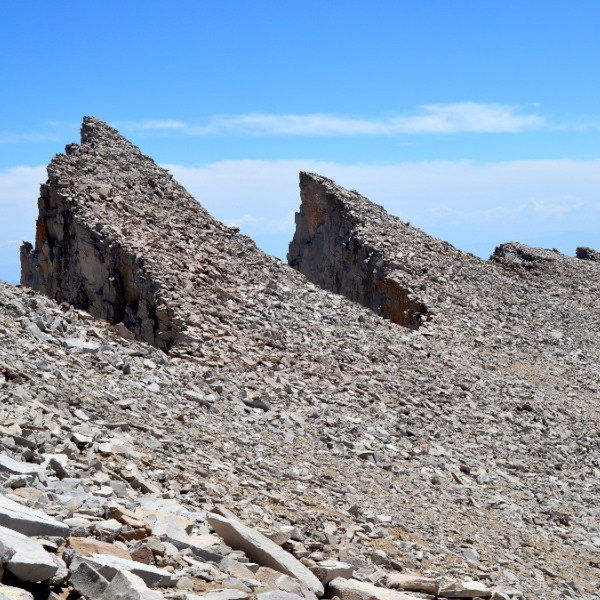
(465, 449)
(93, 545)
(85, 513)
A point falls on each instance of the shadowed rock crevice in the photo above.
(332, 248)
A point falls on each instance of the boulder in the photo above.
(88, 546)
(328, 570)
(29, 521)
(10, 465)
(465, 589)
(415, 583)
(109, 566)
(350, 589)
(127, 586)
(86, 581)
(222, 594)
(264, 551)
(8, 592)
(28, 561)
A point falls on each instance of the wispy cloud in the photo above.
(12, 137)
(263, 224)
(462, 117)
(150, 125)
(460, 201)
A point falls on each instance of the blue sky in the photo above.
(478, 121)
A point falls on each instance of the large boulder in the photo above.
(262, 550)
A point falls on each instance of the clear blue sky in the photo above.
(478, 121)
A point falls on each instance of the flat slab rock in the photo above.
(465, 589)
(262, 550)
(25, 558)
(89, 546)
(127, 586)
(328, 570)
(224, 594)
(350, 589)
(277, 595)
(10, 465)
(109, 566)
(415, 583)
(29, 521)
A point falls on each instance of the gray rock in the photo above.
(417, 583)
(350, 589)
(10, 465)
(262, 550)
(128, 586)
(109, 566)
(29, 521)
(81, 345)
(277, 595)
(465, 589)
(87, 581)
(28, 560)
(8, 592)
(328, 570)
(222, 594)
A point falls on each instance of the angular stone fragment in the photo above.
(29, 521)
(350, 589)
(10, 465)
(87, 581)
(465, 589)
(222, 594)
(328, 570)
(262, 550)
(81, 345)
(128, 586)
(283, 534)
(28, 560)
(89, 546)
(417, 583)
(161, 523)
(108, 566)
(277, 595)
(8, 592)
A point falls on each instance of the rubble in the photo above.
(464, 451)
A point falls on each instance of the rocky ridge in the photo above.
(460, 458)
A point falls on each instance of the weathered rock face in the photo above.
(522, 254)
(77, 260)
(587, 253)
(333, 247)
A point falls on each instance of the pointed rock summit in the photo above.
(118, 237)
(341, 244)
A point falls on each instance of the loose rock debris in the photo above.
(459, 459)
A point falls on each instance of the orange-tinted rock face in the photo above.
(334, 250)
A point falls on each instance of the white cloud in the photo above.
(150, 125)
(462, 117)
(462, 202)
(263, 224)
(19, 191)
(11, 137)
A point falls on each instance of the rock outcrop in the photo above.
(77, 260)
(464, 453)
(340, 245)
(585, 253)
